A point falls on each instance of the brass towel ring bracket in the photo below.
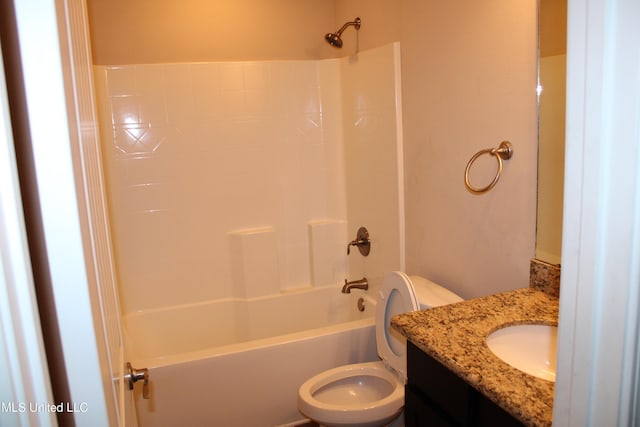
(503, 152)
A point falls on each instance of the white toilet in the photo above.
(372, 393)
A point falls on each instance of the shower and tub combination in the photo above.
(233, 194)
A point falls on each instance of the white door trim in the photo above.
(54, 137)
(598, 326)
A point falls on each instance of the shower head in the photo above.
(334, 38)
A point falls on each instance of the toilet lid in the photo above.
(396, 296)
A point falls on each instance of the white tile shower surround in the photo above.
(233, 179)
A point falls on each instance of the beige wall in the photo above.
(156, 31)
(380, 23)
(147, 31)
(553, 27)
(469, 79)
(468, 76)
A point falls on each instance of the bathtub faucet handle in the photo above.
(361, 241)
(133, 375)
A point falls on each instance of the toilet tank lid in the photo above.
(430, 294)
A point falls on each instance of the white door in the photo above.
(56, 67)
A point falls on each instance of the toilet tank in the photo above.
(430, 294)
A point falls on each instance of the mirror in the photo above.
(551, 128)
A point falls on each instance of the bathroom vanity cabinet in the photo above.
(436, 397)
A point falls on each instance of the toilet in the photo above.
(372, 393)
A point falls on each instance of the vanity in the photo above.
(454, 378)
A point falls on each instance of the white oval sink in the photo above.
(529, 348)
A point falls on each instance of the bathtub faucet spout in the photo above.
(357, 284)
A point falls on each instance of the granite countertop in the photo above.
(455, 336)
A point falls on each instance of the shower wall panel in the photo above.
(195, 151)
(372, 129)
(208, 164)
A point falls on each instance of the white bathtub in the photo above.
(240, 362)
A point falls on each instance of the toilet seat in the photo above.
(397, 295)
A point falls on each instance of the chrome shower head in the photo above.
(334, 38)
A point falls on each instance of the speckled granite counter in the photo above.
(455, 336)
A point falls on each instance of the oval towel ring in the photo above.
(504, 151)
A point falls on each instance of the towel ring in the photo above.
(503, 152)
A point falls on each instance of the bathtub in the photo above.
(238, 362)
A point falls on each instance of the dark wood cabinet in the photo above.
(435, 396)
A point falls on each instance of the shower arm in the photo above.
(355, 23)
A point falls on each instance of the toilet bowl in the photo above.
(372, 393)
(361, 394)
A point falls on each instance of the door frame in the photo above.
(598, 332)
(55, 65)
